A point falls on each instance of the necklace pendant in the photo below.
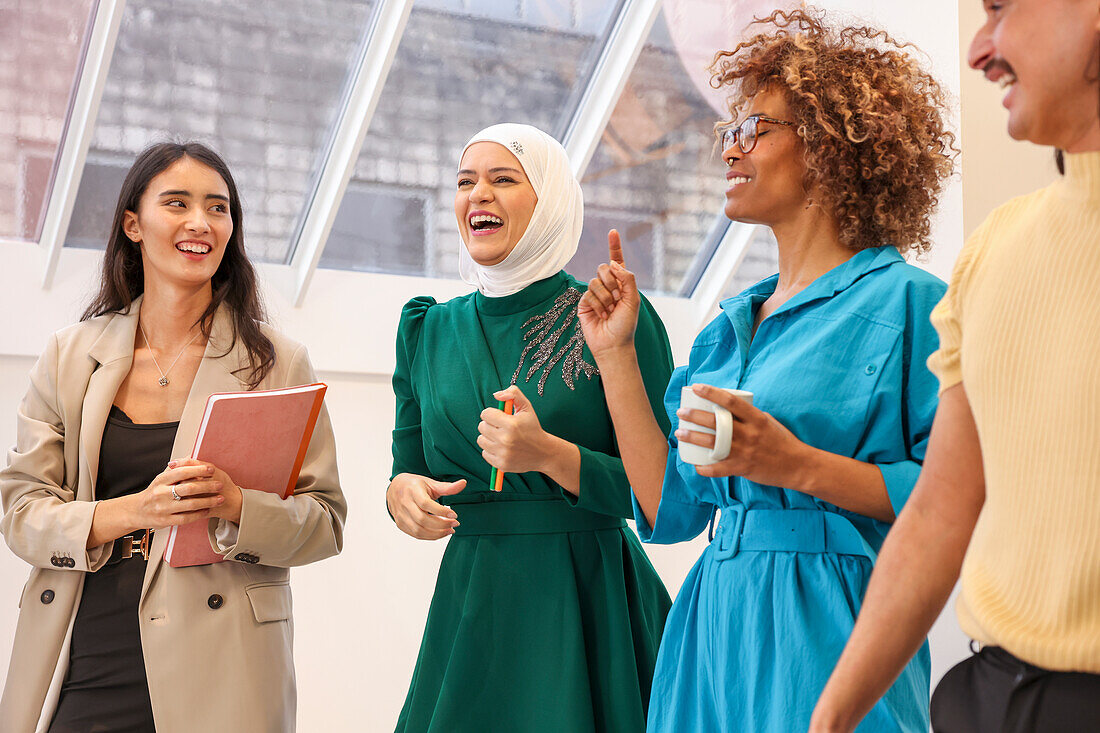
(163, 381)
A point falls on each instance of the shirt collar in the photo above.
(1082, 179)
(741, 307)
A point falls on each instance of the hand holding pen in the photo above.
(514, 443)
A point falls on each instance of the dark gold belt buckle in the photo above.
(136, 545)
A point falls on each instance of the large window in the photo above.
(284, 91)
(463, 65)
(381, 230)
(261, 82)
(657, 158)
(643, 234)
(41, 49)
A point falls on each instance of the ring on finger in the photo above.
(175, 496)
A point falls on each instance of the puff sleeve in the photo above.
(408, 443)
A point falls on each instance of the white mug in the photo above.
(698, 455)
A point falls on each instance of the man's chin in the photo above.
(1021, 126)
(1026, 127)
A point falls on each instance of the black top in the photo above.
(105, 688)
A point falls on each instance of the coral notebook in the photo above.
(259, 439)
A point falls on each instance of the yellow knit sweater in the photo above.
(1020, 327)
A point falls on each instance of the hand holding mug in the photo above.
(760, 449)
(699, 415)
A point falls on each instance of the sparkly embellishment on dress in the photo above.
(545, 341)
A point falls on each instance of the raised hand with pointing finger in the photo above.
(608, 311)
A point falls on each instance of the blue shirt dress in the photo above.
(764, 614)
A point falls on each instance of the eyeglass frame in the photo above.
(739, 135)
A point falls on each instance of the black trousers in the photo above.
(994, 692)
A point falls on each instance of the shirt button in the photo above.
(871, 369)
(47, 597)
(215, 601)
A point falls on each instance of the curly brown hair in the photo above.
(870, 118)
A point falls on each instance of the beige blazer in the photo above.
(211, 666)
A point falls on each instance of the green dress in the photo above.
(547, 614)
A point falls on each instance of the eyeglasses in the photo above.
(744, 135)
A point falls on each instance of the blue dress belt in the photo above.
(785, 530)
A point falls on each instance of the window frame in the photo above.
(99, 47)
(298, 292)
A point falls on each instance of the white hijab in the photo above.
(555, 229)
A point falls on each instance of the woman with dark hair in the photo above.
(110, 638)
(838, 144)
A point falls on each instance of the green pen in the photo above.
(496, 478)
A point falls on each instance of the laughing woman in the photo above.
(839, 146)
(546, 614)
(99, 471)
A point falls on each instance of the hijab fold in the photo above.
(554, 232)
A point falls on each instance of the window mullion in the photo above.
(608, 79)
(78, 133)
(347, 140)
(727, 258)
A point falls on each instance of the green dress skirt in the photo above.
(547, 614)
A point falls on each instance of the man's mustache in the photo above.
(995, 64)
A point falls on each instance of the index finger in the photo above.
(738, 407)
(434, 509)
(494, 418)
(615, 247)
(177, 462)
(702, 418)
(185, 473)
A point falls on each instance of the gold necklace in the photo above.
(163, 381)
